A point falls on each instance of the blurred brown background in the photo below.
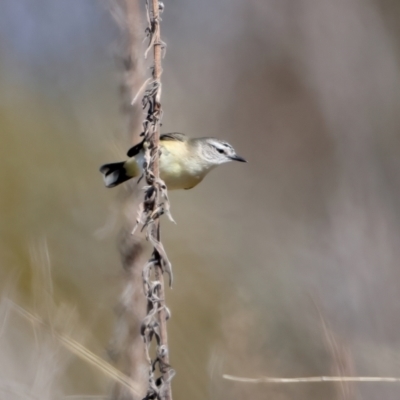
(286, 266)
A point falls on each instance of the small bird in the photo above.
(184, 161)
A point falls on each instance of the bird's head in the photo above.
(216, 152)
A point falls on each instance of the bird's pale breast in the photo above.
(179, 169)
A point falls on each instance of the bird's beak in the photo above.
(237, 158)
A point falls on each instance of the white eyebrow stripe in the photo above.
(220, 144)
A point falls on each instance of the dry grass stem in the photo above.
(79, 350)
(312, 379)
(342, 363)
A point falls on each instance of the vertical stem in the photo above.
(163, 330)
(162, 313)
(157, 71)
(155, 202)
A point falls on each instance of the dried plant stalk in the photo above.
(155, 204)
(79, 350)
(313, 379)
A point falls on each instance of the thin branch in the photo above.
(155, 204)
(312, 379)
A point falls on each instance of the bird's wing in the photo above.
(181, 137)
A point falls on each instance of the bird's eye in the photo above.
(220, 151)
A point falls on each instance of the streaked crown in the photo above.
(216, 151)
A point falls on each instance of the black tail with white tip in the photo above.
(114, 174)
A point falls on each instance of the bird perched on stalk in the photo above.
(184, 162)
